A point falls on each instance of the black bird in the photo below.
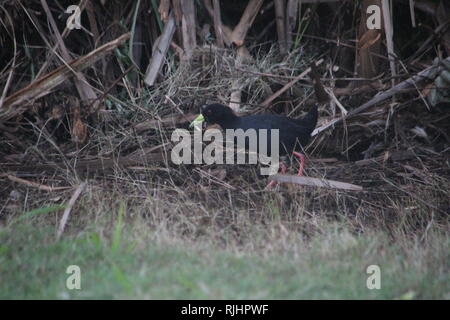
(294, 134)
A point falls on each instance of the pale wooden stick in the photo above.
(280, 19)
(160, 51)
(411, 12)
(188, 28)
(315, 182)
(65, 216)
(218, 24)
(389, 29)
(87, 94)
(338, 103)
(33, 184)
(250, 12)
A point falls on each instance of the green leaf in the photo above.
(39, 211)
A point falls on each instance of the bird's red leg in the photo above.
(273, 182)
(302, 162)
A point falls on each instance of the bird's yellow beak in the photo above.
(197, 121)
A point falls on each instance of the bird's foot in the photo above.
(301, 158)
(273, 183)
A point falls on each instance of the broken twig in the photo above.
(67, 211)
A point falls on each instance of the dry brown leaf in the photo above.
(164, 10)
(369, 38)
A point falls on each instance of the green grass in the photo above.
(33, 265)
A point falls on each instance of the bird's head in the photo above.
(214, 113)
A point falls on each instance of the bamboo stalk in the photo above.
(280, 19)
(249, 15)
(188, 26)
(218, 24)
(160, 51)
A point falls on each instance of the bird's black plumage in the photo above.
(293, 133)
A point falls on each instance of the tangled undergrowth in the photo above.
(405, 176)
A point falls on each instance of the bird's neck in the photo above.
(229, 122)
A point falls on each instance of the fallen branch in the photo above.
(33, 184)
(315, 182)
(21, 101)
(399, 88)
(168, 122)
(139, 157)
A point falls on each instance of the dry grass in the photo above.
(403, 196)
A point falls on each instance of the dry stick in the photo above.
(214, 179)
(163, 9)
(21, 100)
(266, 102)
(83, 88)
(218, 24)
(188, 26)
(280, 18)
(10, 75)
(381, 97)
(160, 51)
(226, 31)
(315, 182)
(100, 98)
(339, 90)
(139, 157)
(336, 101)
(388, 26)
(242, 53)
(237, 86)
(65, 216)
(66, 31)
(291, 20)
(170, 121)
(411, 12)
(33, 184)
(250, 12)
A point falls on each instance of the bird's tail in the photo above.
(310, 120)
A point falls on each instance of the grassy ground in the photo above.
(131, 261)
